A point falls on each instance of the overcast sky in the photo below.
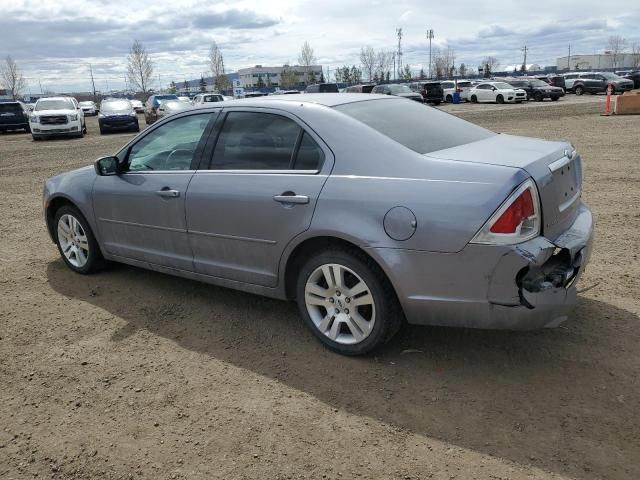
(55, 41)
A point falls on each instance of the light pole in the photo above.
(430, 37)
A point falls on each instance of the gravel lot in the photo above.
(133, 374)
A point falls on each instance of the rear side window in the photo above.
(421, 129)
(264, 141)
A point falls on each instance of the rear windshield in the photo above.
(10, 107)
(328, 88)
(55, 105)
(420, 128)
(166, 97)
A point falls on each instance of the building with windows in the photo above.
(603, 61)
(259, 76)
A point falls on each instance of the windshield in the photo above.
(115, 106)
(396, 89)
(421, 129)
(502, 86)
(539, 83)
(212, 98)
(166, 97)
(10, 107)
(611, 76)
(86, 104)
(61, 104)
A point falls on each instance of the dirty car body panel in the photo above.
(414, 207)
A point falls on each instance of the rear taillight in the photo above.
(517, 219)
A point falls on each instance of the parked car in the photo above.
(169, 107)
(322, 88)
(57, 116)
(569, 78)
(351, 235)
(430, 90)
(153, 104)
(207, 98)
(117, 114)
(496, 92)
(598, 82)
(634, 76)
(449, 87)
(364, 88)
(398, 90)
(138, 106)
(14, 115)
(536, 89)
(553, 80)
(89, 108)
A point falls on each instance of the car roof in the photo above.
(55, 98)
(325, 99)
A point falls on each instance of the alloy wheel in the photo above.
(340, 304)
(73, 241)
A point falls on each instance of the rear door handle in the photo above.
(290, 197)
(167, 192)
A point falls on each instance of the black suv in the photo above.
(554, 81)
(634, 77)
(536, 89)
(14, 115)
(431, 91)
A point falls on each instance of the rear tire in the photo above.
(579, 90)
(449, 99)
(500, 99)
(328, 286)
(554, 99)
(474, 99)
(538, 97)
(74, 236)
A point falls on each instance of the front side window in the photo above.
(256, 141)
(171, 146)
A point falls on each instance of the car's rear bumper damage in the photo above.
(526, 286)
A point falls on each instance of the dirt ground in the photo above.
(134, 374)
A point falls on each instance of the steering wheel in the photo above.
(179, 159)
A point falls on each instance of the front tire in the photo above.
(449, 99)
(76, 243)
(579, 90)
(347, 302)
(500, 99)
(538, 97)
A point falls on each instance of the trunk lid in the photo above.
(558, 176)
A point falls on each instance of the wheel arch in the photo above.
(299, 253)
(53, 206)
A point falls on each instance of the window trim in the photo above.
(123, 154)
(207, 157)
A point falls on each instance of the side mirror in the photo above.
(107, 166)
(494, 88)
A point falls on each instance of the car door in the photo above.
(140, 212)
(258, 193)
(485, 93)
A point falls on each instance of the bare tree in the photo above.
(11, 77)
(139, 67)
(384, 61)
(490, 61)
(635, 55)
(306, 59)
(368, 60)
(216, 65)
(616, 45)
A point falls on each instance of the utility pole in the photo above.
(393, 55)
(40, 83)
(399, 33)
(159, 83)
(524, 63)
(430, 37)
(569, 59)
(93, 83)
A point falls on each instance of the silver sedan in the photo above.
(367, 210)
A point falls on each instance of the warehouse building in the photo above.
(604, 61)
(270, 76)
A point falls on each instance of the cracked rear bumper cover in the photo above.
(520, 287)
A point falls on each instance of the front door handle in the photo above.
(167, 192)
(290, 197)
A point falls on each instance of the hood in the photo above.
(54, 112)
(408, 95)
(117, 113)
